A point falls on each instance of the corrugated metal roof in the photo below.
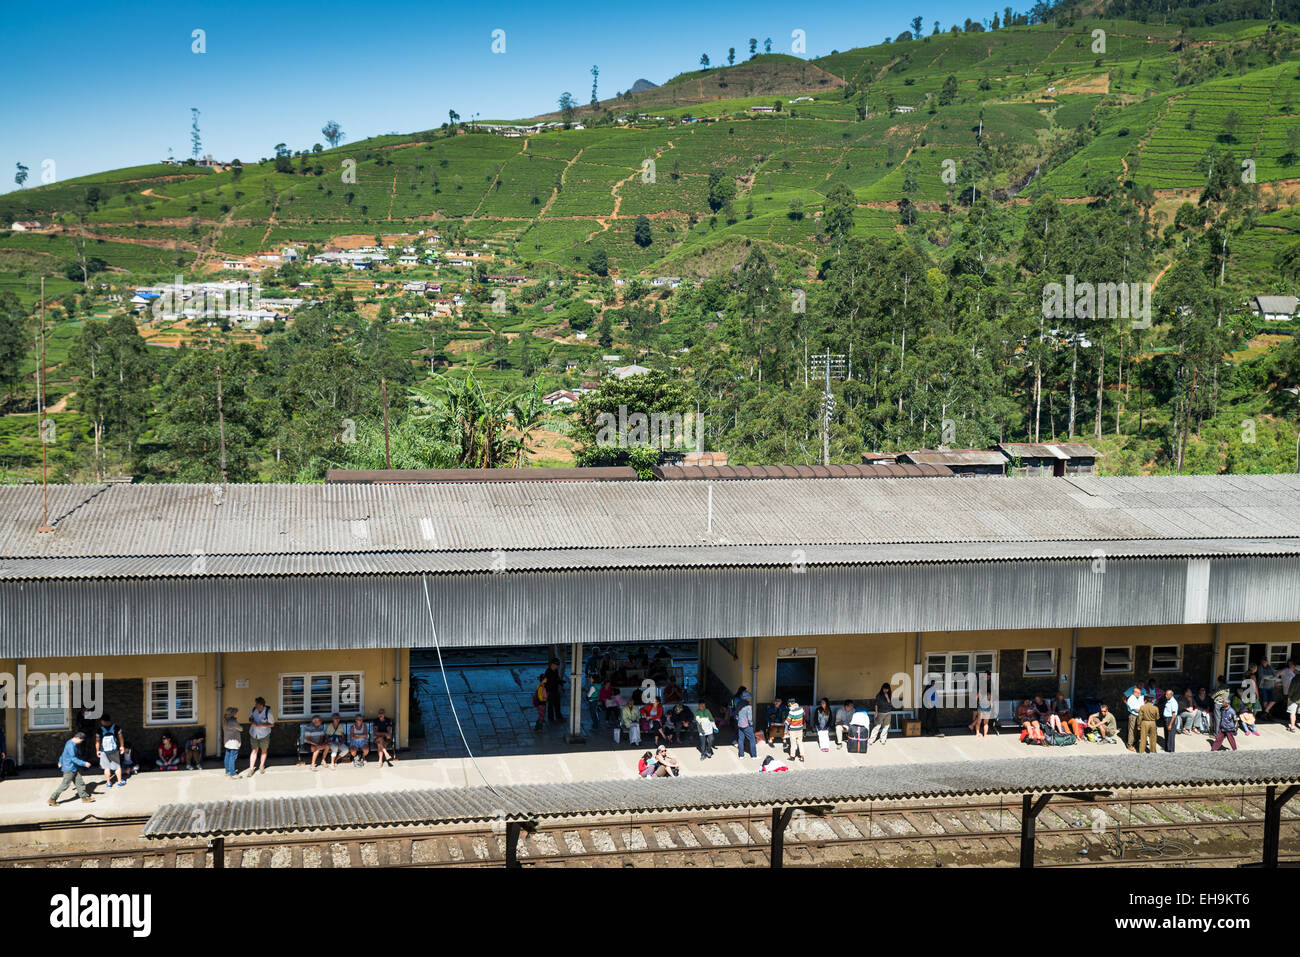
(670, 473)
(561, 559)
(616, 473)
(1048, 450)
(953, 457)
(203, 521)
(1058, 774)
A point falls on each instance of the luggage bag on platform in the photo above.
(857, 739)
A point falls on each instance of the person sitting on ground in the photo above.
(358, 741)
(665, 764)
(336, 736)
(645, 765)
(169, 756)
(772, 764)
(1248, 690)
(1103, 722)
(775, 722)
(194, 749)
(315, 736)
(1061, 719)
(843, 718)
(128, 759)
(384, 738)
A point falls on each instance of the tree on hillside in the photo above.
(641, 232)
(484, 428)
(13, 343)
(767, 45)
(595, 77)
(196, 144)
(731, 56)
(837, 214)
(599, 262)
(333, 133)
(452, 118)
(916, 26)
(948, 92)
(753, 47)
(20, 177)
(722, 188)
(114, 372)
(618, 401)
(567, 107)
(704, 60)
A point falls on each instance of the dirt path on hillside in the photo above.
(555, 190)
(618, 199)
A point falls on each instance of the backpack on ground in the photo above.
(1061, 740)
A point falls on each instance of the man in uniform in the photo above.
(1148, 717)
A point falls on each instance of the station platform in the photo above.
(23, 798)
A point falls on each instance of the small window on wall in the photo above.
(1278, 654)
(1166, 657)
(49, 711)
(170, 700)
(729, 644)
(1116, 660)
(1040, 661)
(302, 696)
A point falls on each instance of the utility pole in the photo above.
(221, 427)
(830, 365)
(45, 525)
(383, 391)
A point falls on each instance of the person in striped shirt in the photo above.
(794, 724)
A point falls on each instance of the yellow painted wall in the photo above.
(856, 665)
(260, 671)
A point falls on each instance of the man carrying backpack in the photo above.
(108, 747)
(745, 727)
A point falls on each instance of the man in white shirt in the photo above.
(1134, 704)
(1170, 716)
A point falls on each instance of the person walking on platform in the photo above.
(70, 764)
(1171, 719)
(1133, 701)
(705, 727)
(745, 727)
(793, 729)
(539, 702)
(1148, 718)
(554, 685)
(1227, 726)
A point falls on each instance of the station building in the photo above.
(189, 598)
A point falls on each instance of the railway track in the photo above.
(1193, 828)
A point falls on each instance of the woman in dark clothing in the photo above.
(554, 681)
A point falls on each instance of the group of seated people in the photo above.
(337, 739)
(605, 665)
(170, 755)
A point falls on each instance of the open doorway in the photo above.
(797, 678)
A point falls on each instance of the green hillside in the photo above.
(933, 156)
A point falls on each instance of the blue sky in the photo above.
(97, 86)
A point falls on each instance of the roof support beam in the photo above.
(1273, 805)
(781, 820)
(217, 851)
(1029, 811)
(514, 830)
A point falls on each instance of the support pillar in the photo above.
(780, 818)
(217, 850)
(1273, 820)
(1029, 811)
(514, 829)
(575, 695)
